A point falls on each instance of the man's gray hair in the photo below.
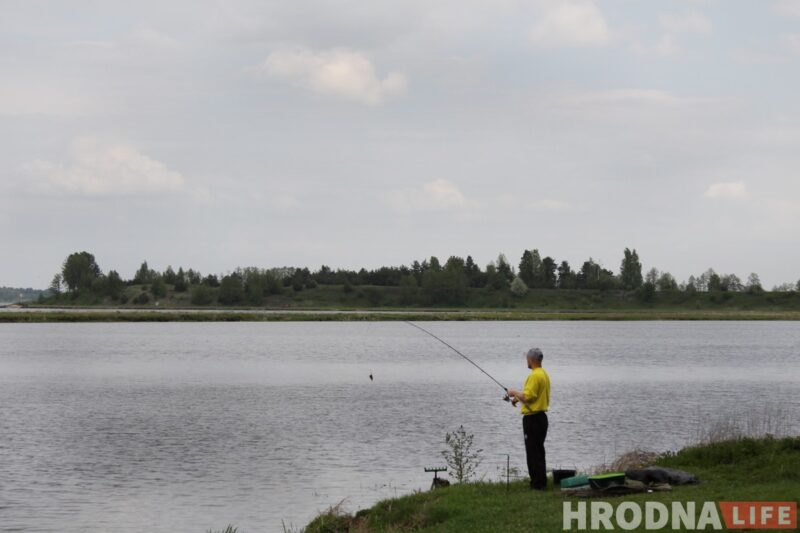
(536, 354)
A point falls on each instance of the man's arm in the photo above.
(517, 395)
(529, 394)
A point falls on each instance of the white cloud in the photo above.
(621, 97)
(144, 43)
(284, 202)
(275, 199)
(666, 46)
(338, 73)
(550, 204)
(40, 97)
(437, 195)
(516, 202)
(151, 37)
(732, 189)
(443, 195)
(787, 7)
(792, 42)
(99, 169)
(691, 22)
(570, 24)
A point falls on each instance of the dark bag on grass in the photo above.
(659, 474)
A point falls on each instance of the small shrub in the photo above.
(462, 459)
(142, 299)
(518, 287)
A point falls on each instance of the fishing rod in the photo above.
(506, 398)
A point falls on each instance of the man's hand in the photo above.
(516, 396)
(514, 401)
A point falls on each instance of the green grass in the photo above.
(744, 469)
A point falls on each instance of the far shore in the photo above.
(110, 314)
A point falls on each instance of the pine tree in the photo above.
(526, 267)
(549, 273)
(537, 281)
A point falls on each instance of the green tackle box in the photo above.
(603, 481)
(574, 481)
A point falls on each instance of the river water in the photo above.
(190, 426)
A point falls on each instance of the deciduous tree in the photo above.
(754, 283)
(79, 271)
(631, 270)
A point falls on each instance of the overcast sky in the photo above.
(217, 134)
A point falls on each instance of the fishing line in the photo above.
(459, 353)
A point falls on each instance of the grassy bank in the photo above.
(737, 470)
(227, 315)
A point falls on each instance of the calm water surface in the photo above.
(185, 427)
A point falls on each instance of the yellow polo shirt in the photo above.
(537, 392)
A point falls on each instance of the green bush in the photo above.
(254, 293)
(158, 288)
(202, 295)
(180, 284)
(647, 292)
(231, 291)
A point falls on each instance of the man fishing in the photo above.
(535, 400)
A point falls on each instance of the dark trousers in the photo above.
(535, 429)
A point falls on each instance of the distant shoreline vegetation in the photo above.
(230, 315)
(10, 295)
(536, 283)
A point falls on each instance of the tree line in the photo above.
(18, 294)
(426, 281)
